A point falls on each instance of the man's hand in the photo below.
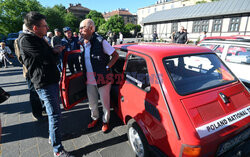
(58, 49)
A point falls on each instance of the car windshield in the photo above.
(193, 73)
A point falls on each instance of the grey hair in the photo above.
(90, 22)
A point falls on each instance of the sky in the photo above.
(102, 5)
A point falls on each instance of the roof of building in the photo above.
(78, 7)
(218, 8)
(116, 12)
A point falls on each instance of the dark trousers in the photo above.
(73, 62)
(35, 101)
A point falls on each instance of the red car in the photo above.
(177, 100)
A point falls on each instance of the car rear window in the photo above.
(193, 73)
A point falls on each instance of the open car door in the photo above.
(72, 86)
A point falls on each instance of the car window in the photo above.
(118, 66)
(238, 54)
(190, 74)
(218, 49)
(210, 46)
(137, 72)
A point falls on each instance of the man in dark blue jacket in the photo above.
(40, 60)
(71, 43)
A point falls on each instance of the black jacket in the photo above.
(99, 60)
(181, 37)
(39, 59)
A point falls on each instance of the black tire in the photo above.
(133, 128)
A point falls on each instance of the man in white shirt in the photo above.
(5, 53)
(97, 64)
(121, 37)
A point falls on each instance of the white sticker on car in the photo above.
(221, 123)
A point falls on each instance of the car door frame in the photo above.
(66, 85)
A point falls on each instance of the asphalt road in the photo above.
(25, 137)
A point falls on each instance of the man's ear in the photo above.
(35, 28)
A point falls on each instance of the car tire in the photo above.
(137, 139)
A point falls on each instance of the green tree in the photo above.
(131, 28)
(72, 21)
(199, 2)
(57, 17)
(12, 12)
(102, 30)
(115, 24)
(57, 11)
(205, 1)
(96, 17)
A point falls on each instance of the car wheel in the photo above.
(137, 139)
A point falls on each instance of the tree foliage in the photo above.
(115, 24)
(57, 17)
(12, 12)
(205, 1)
(96, 17)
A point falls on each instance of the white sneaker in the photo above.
(63, 153)
(49, 140)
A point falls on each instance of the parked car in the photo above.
(245, 38)
(10, 40)
(236, 54)
(177, 100)
(2, 38)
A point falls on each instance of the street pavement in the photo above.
(25, 137)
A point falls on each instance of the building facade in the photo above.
(220, 18)
(78, 10)
(163, 5)
(124, 13)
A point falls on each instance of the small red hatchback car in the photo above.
(177, 100)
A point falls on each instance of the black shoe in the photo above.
(39, 118)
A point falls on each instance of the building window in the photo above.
(174, 27)
(155, 10)
(200, 26)
(234, 24)
(217, 25)
(154, 28)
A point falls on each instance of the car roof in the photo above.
(237, 38)
(230, 42)
(162, 49)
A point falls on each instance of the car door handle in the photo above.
(122, 98)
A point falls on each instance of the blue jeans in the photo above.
(50, 96)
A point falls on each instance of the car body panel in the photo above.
(170, 120)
